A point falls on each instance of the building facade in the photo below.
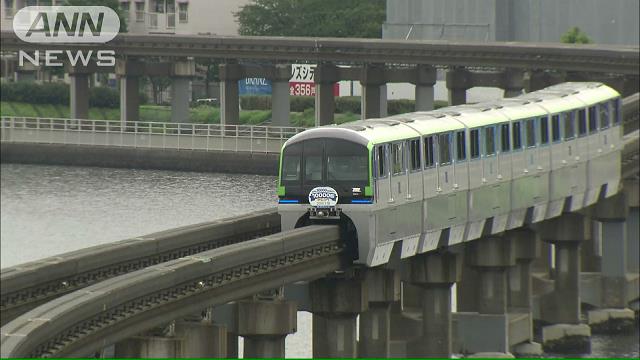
(605, 22)
(188, 17)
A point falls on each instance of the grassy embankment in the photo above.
(199, 114)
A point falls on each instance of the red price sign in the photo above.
(308, 89)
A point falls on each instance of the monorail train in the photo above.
(422, 180)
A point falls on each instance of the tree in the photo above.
(113, 4)
(317, 18)
(575, 36)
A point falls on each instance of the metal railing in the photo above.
(188, 136)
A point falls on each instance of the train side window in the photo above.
(544, 130)
(461, 146)
(617, 116)
(593, 120)
(604, 115)
(381, 160)
(489, 141)
(444, 149)
(569, 127)
(582, 122)
(429, 149)
(414, 151)
(555, 128)
(397, 158)
(475, 143)
(516, 129)
(530, 132)
(504, 138)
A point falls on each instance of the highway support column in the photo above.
(488, 330)
(519, 297)
(181, 73)
(539, 79)
(280, 99)
(619, 286)
(561, 307)
(325, 76)
(426, 77)
(264, 324)
(229, 74)
(383, 286)
(458, 82)
(374, 96)
(513, 82)
(128, 73)
(336, 302)
(79, 92)
(434, 273)
(201, 338)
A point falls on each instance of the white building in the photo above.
(189, 17)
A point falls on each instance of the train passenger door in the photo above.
(594, 141)
(508, 168)
(489, 160)
(604, 115)
(430, 173)
(544, 151)
(582, 140)
(530, 147)
(558, 150)
(445, 163)
(381, 164)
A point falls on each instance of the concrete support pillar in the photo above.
(79, 94)
(372, 79)
(383, 287)
(280, 100)
(425, 80)
(180, 99)
(148, 347)
(325, 76)
(434, 273)
(181, 74)
(264, 326)
(229, 93)
(539, 79)
(562, 306)
(129, 73)
(632, 190)
(617, 289)
(458, 82)
(519, 276)
(513, 82)
(490, 257)
(336, 303)
(201, 339)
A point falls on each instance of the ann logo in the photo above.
(66, 24)
(41, 24)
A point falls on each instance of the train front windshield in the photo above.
(336, 163)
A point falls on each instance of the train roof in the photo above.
(556, 98)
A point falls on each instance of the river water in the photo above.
(48, 210)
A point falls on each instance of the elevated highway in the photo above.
(589, 58)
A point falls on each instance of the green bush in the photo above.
(58, 94)
(400, 106)
(255, 102)
(104, 97)
(348, 104)
(302, 103)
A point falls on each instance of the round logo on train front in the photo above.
(323, 197)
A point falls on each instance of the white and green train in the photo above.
(423, 180)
